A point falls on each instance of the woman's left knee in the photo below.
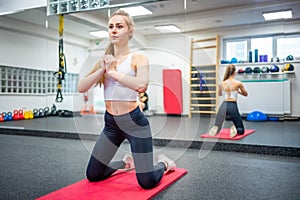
(146, 181)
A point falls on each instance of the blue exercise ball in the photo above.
(256, 116)
(274, 68)
(234, 60)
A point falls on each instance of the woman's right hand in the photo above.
(109, 62)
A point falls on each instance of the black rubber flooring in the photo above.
(34, 166)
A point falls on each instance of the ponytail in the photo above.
(230, 70)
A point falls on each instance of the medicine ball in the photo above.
(289, 67)
(248, 70)
(241, 71)
(256, 70)
(233, 60)
(290, 57)
(265, 69)
(274, 68)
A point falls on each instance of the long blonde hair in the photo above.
(110, 47)
(230, 70)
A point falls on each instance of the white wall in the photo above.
(169, 52)
(19, 49)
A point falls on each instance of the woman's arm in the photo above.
(138, 83)
(85, 83)
(220, 93)
(242, 90)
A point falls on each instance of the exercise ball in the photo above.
(290, 57)
(288, 67)
(274, 68)
(256, 70)
(233, 60)
(265, 69)
(248, 70)
(256, 116)
(241, 71)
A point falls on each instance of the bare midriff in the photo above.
(230, 99)
(120, 107)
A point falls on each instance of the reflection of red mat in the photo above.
(119, 186)
(224, 134)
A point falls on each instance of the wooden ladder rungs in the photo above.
(203, 105)
(203, 111)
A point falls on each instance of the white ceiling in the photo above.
(189, 15)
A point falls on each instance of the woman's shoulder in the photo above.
(137, 55)
(139, 58)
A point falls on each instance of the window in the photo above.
(236, 50)
(273, 47)
(264, 47)
(288, 46)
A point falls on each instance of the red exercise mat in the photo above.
(225, 134)
(119, 186)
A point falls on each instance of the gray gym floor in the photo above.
(31, 167)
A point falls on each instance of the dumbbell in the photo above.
(53, 111)
(41, 112)
(28, 114)
(21, 115)
(16, 115)
(46, 111)
(1, 117)
(8, 116)
(36, 113)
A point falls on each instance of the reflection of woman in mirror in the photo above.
(231, 88)
(143, 101)
(124, 74)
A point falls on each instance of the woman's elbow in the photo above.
(142, 88)
(81, 89)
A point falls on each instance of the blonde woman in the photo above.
(230, 87)
(123, 74)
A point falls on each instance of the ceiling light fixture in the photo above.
(99, 34)
(137, 11)
(284, 14)
(171, 28)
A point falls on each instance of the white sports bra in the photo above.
(232, 94)
(114, 90)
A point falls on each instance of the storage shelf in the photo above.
(261, 63)
(16, 80)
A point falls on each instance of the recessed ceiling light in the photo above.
(168, 28)
(99, 34)
(137, 11)
(278, 15)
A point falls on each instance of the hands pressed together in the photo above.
(108, 63)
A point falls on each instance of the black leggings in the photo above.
(230, 108)
(134, 127)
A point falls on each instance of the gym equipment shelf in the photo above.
(204, 76)
(15, 80)
(57, 7)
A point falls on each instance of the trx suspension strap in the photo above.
(60, 74)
